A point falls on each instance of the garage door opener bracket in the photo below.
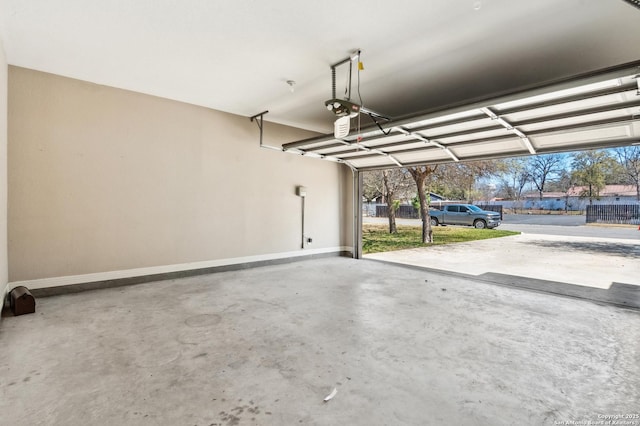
(259, 121)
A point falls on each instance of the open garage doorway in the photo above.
(588, 114)
(555, 249)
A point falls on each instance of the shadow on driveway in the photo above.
(606, 248)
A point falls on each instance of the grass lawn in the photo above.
(376, 237)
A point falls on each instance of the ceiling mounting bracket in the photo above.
(259, 121)
(258, 118)
(353, 57)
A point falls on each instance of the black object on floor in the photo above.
(22, 301)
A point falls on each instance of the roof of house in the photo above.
(608, 191)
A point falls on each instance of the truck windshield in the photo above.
(474, 208)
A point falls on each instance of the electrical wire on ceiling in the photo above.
(361, 68)
(347, 87)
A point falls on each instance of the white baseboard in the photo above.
(139, 272)
(4, 293)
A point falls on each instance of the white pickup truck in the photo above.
(464, 214)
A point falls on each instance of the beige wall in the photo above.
(3, 173)
(102, 179)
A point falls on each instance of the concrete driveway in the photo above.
(585, 260)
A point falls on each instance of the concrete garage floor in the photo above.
(554, 254)
(264, 346)
(584, 261)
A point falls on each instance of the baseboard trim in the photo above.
(5, 296)
(75, 283)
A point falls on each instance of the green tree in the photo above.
(592, 169)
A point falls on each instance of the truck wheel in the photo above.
(434, 221)
(479, 224)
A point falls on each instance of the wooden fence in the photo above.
(614, 213)
(492, 208)
(404, 212)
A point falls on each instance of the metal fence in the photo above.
(622, 213)
(410, 212)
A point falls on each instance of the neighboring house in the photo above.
(380, 199)
(571, 200)
(435, 198)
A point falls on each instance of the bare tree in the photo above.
(514, 177)
(372, 185)
(629, 159)
(395, 184)
(458, 180)
(391, 185)
(420, 175)
(390, 197)
(542, 168)
(564, 184)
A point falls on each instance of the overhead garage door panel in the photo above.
(432, 155)
(482, 148)
(594, 111)
(489, 134)
(625, 100)
(586, 120)
(442, 120)
(468, 126)
(586, 137)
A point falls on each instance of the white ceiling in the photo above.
(236, 56)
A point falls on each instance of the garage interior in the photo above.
(129, 157)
